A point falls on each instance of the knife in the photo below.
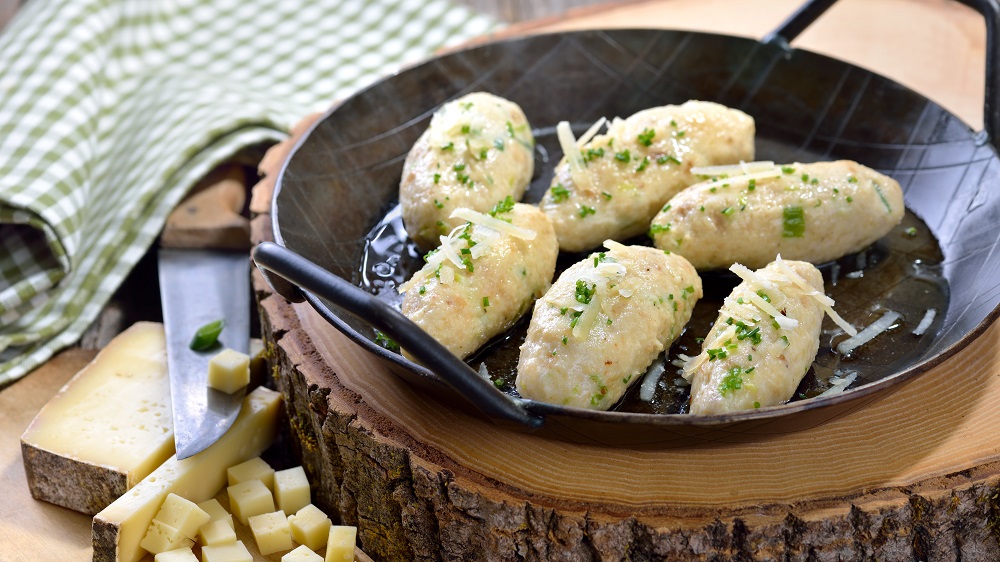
(198, 287)
(204, 276)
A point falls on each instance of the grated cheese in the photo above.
(653, 374)
(485, 238)
(449, 252)
(494, 223)
(446, 275)
(743, 168)
(925, 322)
(573, 158)
(591, 132)
(784, 322)
(613, 245)
(752, 278)
(825, 302)
(838, 385)
(874, 329)
(692, 365)
(681, 360)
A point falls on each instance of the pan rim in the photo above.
(868, 390)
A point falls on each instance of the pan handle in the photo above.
(273, 259)
(989, 9)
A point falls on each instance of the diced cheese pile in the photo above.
(254, 490)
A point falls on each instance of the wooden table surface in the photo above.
(938, 52)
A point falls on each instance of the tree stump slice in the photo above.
(911, 475)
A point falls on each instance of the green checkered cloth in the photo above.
(111, 110)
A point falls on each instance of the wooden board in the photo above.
(911, 476)
(938, 50)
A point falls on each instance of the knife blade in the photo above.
(198, 287)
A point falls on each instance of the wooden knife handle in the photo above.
(212, 214)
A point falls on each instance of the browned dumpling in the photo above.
(763, 342)
(603, 323)
(813, 212)
(477, 150)
(613, 185)
(483, 277)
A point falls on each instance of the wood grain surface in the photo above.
(933, 439)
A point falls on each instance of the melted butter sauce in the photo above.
(901, 272)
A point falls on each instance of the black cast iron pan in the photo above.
(339, 237)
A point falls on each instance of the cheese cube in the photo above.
(253, 469)
(161, 537)
(235, 552)
(118, 529)
(107, 429)
(291, 489)
(270, 530)
(177, 555)
(340, 543)
(302, 554)
(310, 527)
(217, 532)
(184, 515)
(250, 498)
(229, 370)
(216, 512)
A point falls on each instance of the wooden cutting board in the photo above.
(934, 46)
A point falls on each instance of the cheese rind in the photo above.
(291, 489)
(107, 428)
(118, 529)
(270, 530)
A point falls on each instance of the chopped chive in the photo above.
(207, 336)
(559, 193)
(385, 341)
(793, 222)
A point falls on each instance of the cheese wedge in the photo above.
(118, 529)
(107, 428)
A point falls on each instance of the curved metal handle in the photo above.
(989, 9)
(273, 259)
